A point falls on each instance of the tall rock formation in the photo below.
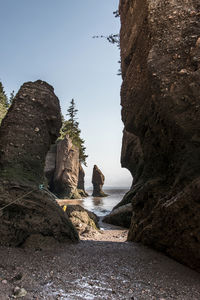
(98, 181)
(160, 96)
(62, 169)
(31, 125)
(81, 182)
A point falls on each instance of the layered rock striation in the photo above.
(160, 61)
(31, 125)
(98, 181)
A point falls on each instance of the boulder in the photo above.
(84, 220)
(31, 125)
(120, 216)
(98, 181)
(160, 61)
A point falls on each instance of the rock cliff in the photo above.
(62, 169)
(160, 61)
(31, 125)
(98, 181)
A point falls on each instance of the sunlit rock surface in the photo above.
(62, 169)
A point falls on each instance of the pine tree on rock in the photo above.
(71, 128)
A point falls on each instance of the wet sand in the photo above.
(100, 266)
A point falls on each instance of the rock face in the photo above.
(120, 216)
(50, 166)
(81, 182)
(31, 125)
(98, 182)
(160, 60)
(67, 169)
(62, 169)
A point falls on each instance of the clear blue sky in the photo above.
(52, 40)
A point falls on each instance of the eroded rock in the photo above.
(84, 220)
(120, 216)
(98, 181)
(81, 182)
(160, 109)
(62, 169)
(31, 125)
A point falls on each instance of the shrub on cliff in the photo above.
(71, 128)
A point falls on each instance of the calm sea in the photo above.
(102, 206)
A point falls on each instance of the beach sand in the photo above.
(100, 266)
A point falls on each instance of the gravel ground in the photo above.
(101, 266)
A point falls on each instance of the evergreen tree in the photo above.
(3, 98)
(4, 104)
(71, 128)
(12, 96)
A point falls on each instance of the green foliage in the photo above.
(5, 102)
(3, 98)
(3, 111)
(12, 96)
(71, 128)
(112, 38)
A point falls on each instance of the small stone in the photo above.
(198, 43)
(193, 13)
(4, 281)
(36, 129)
(19, 292)
(183, 72)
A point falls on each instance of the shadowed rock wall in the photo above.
(160, 60)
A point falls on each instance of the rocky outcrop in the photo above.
(84, 220)
(31, 125)
(160, 60)
(81, 182)
(62, 169)
(120, 216)
(98, 182)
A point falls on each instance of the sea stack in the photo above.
(62, 169)
(31, 125)
(81, 182)
(98, 181)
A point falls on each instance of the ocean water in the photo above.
(101, 206)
